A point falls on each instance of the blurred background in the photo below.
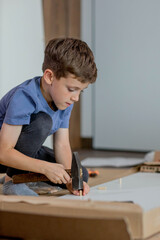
(121, 111)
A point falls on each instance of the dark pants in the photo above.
(31, 140)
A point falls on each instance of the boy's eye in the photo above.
(71, 89)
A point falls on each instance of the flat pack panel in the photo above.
(112, 162)
(127, 51)
(139, 188)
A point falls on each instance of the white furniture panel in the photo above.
(86, 97)
(127, 92)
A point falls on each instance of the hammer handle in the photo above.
(32, 177)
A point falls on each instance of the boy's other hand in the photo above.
(56, 173)
(86, 188)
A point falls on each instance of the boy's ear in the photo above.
(48, 76)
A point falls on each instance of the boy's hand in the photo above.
(86, 188)
(56, 173)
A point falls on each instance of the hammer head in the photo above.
(76, 172)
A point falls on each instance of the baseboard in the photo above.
(86, 142)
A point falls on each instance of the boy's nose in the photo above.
(75, 97)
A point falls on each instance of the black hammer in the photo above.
(75, 173)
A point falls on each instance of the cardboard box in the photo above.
(44, 224)
(54, 218)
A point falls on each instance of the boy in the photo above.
(42, 106)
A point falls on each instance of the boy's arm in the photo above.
(63, 155)
(62, 148)
(9, 156)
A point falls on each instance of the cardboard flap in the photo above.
(10, 202)
(157, 157)
(68, 228)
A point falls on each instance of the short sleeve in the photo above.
(20, 108)
(67, 114)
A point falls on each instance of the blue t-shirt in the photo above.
(20, 102)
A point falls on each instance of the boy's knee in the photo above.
(33, 135)
(85, 174)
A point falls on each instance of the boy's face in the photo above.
(65, 91)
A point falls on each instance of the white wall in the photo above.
(21, 42)
(22, 46)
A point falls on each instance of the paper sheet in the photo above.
(140, 188)
(112, 162)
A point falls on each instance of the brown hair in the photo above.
(69, 55)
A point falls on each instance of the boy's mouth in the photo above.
(68, 104)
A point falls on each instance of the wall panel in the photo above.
(62, 19)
